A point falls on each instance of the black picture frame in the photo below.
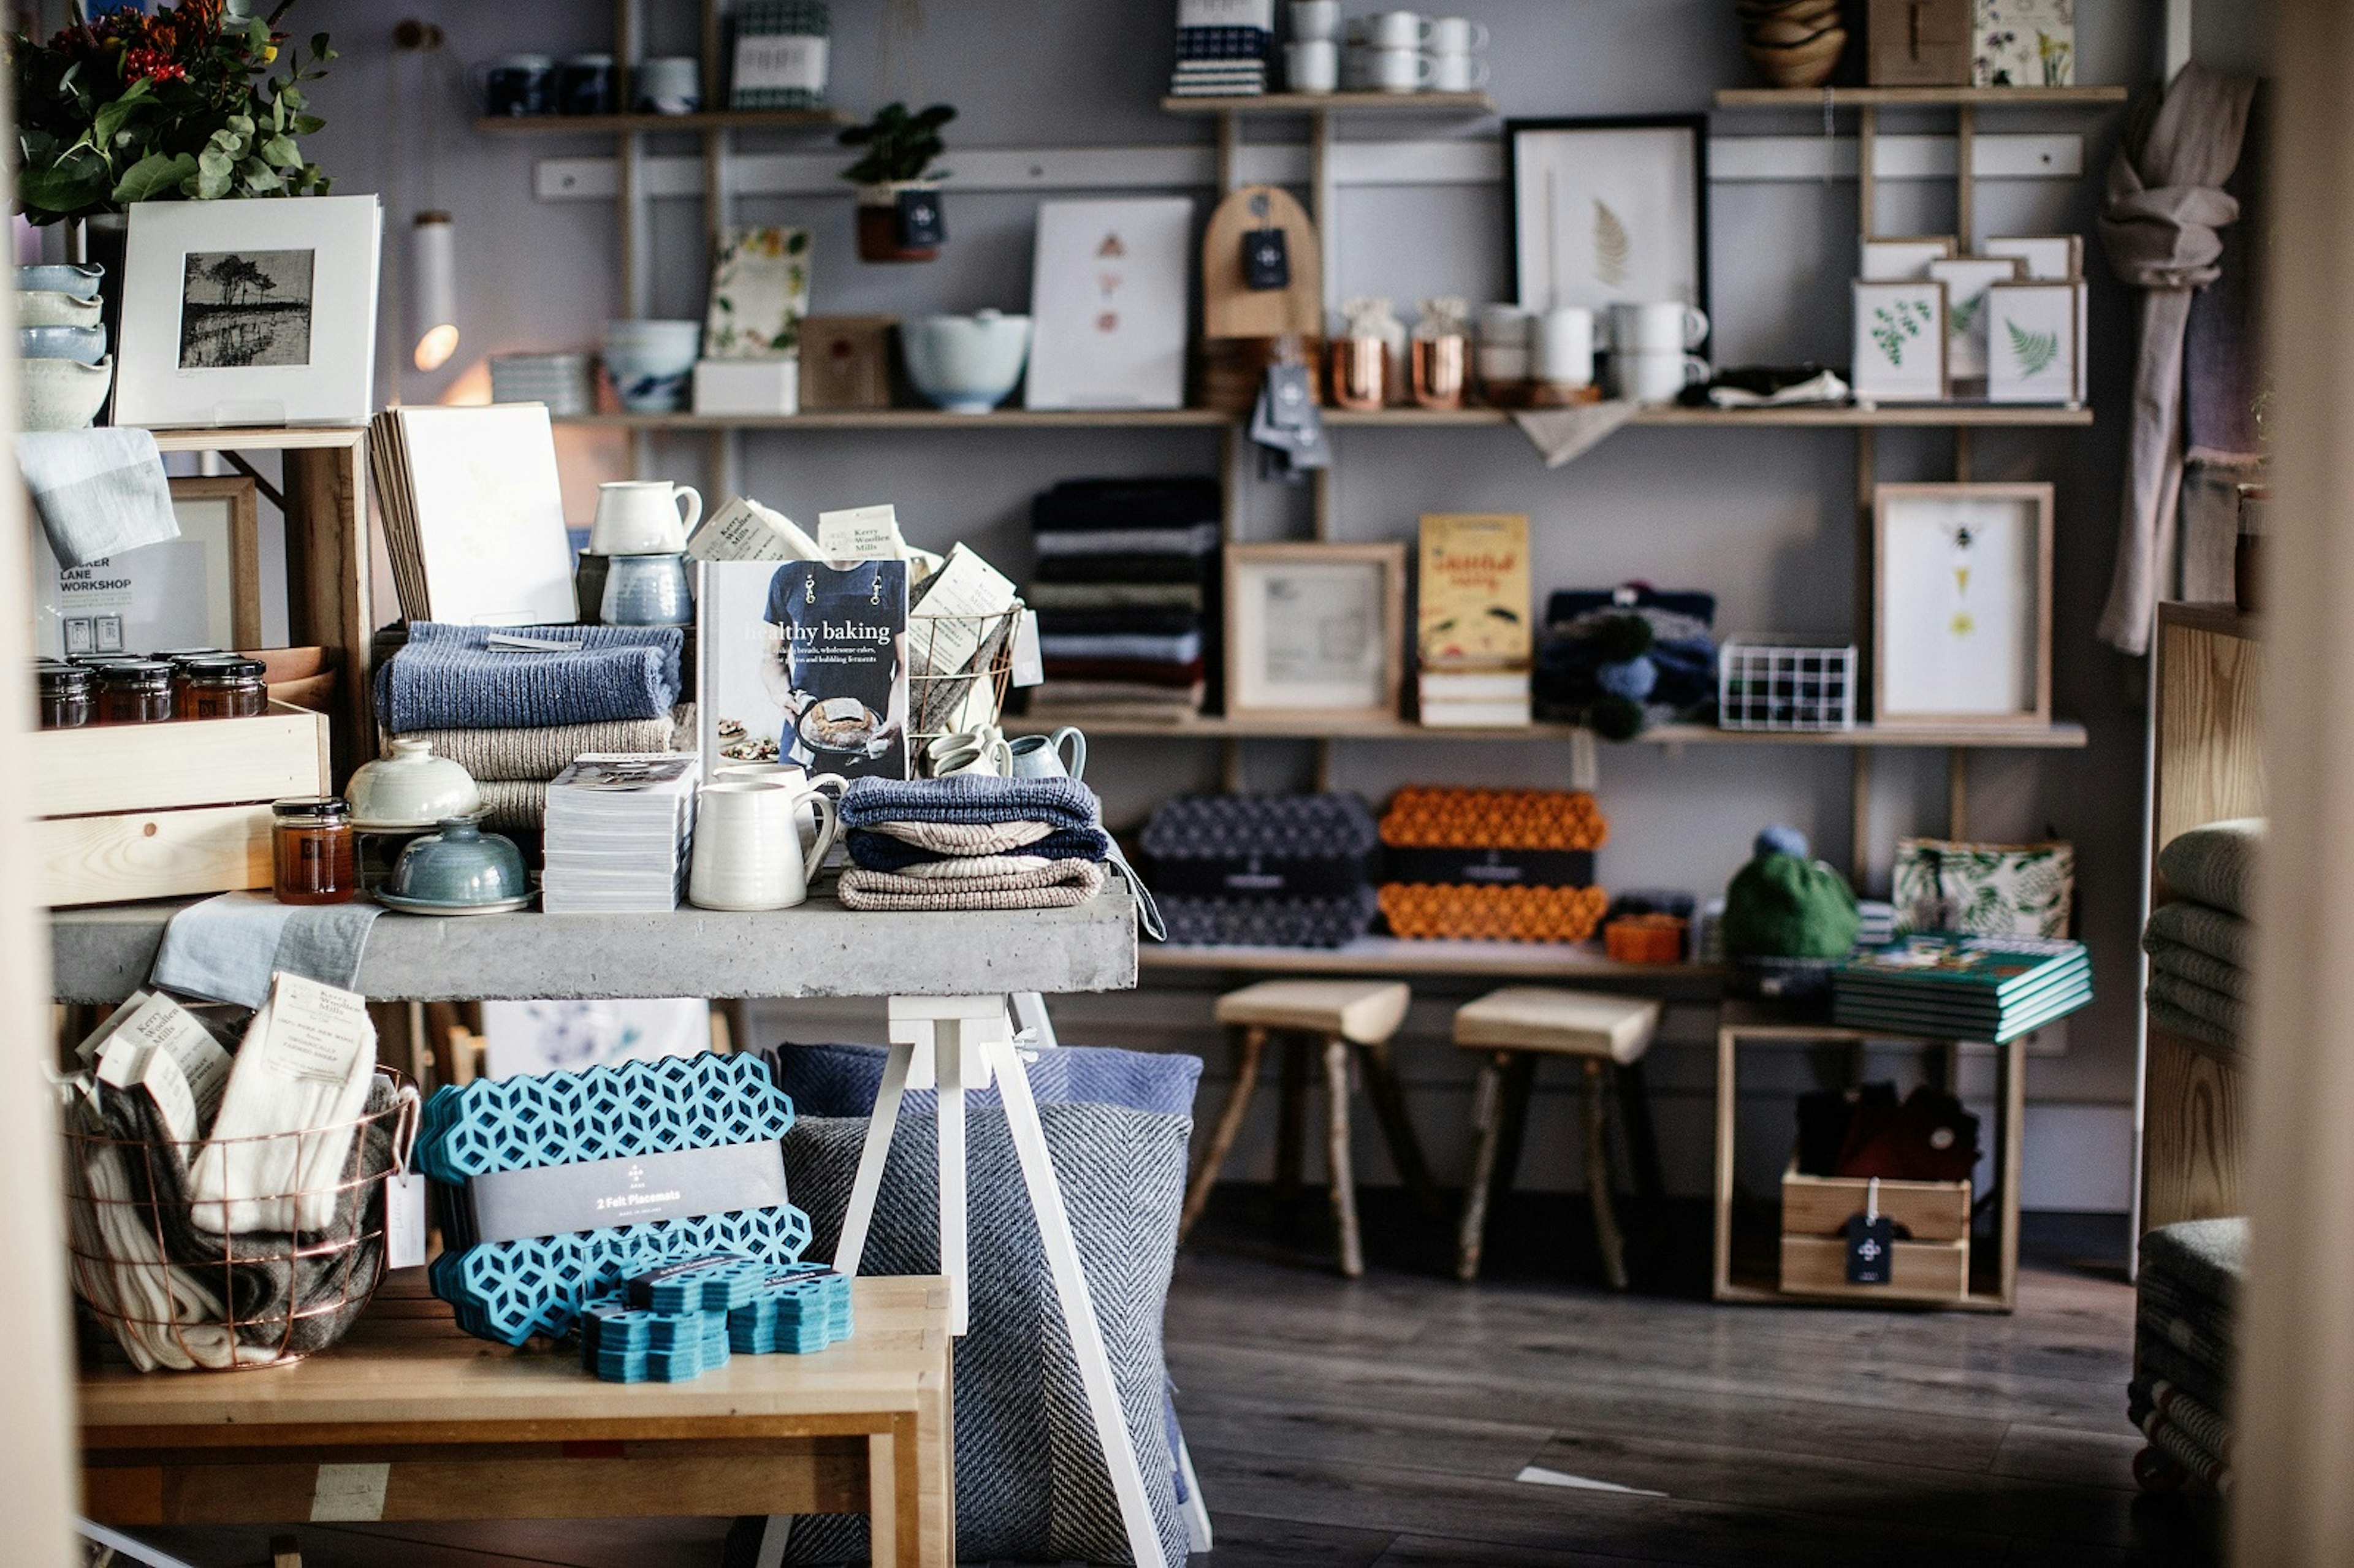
(1695, 126)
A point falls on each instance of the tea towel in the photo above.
(99, 492)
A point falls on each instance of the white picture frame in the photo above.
(1109, 281)
(202, 589)
(1967, 279)
(249, 312)
(1901, 257)
(2047, 257)
(1962, 605)
(1609, 211)
(1900, 342)
(2034, 339)
(1315, 629)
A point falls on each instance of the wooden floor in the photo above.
(1536, 1421)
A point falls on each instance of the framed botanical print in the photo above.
(1966, 280)
(2035, 339)
(2044, 257)
(202, 589)
(1900, 343)
(1962, 604)
(1905, 257)
(1610, 211)
(1315, 630)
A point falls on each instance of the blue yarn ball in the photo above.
(1781, 839)
(1630, 678)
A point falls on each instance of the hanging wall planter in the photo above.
(899, 216)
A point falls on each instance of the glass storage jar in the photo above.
(223, 688)
(67, 696)
(315, 855)
(136, 691)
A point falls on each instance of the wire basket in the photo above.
(287, 1283)
(959, 667)
(1767, 683)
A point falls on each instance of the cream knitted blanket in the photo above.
(988, 881)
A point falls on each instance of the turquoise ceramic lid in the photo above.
(460, 864)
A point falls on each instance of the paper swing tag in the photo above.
(1266, 259)
(1871, 1241)
(920, 224)
(404, 1221)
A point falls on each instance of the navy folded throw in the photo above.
(449, 677)
(881, 851)
(968, 797)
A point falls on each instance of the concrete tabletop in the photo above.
(101, 953)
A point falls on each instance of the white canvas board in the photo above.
(1310, 635)
(2048, 257)
(1967, 279)
(1108, 285)
(249, 312)
(522, 1037)
(1959, 586)
(1607, 215)
(1900, 343)
(1903, 260)
(489, 514)
(2033, 337)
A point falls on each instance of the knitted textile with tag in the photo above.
(1427, 818)
(1496, 864)
(451, 677)
(1264, 870)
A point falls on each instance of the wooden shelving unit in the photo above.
(1930, 415)
(622, 124)
(2055, 738)
(1918, 97)
(1336, 102)
(913, 419)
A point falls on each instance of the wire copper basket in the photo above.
(157, 1263)
(959, 667)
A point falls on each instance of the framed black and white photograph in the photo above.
(249, 312)
(1962, 604)
(202, 589)
(1315, 629)
(1609, 211)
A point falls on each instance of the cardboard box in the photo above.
(749, 387)
(1919, 43)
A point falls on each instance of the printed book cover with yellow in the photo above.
(1474, 604)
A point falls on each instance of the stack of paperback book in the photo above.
(1955, 986)
(618, 834)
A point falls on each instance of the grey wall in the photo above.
(1762, 518)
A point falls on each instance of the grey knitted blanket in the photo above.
(989, 883)
(2191, 1026)
(2216, 864)
(2200, 968)
(2226, 1013)
(2184, 1428)
(969, 798)
(2218, 933)
(2207, 1256)
(514, 805)
(2154, 1357)
(539, 754)
(448, 677)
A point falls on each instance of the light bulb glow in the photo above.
(433, 290)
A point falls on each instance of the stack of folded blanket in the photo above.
(971, 843)
(2199, 945)
(2184, 1305)
(515, 717)
(1264, 871)
(1126, 593)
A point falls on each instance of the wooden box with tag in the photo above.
(164, 810)
(1933, 1264)
(1919, 43)
(846, 362)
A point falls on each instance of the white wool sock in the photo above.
(299, 1082)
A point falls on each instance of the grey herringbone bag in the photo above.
(1031, 1481)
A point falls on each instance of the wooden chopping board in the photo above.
(1231, 310)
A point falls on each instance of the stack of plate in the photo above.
(565, 382)
(1796, 43)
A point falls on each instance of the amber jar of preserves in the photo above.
(136, 691)
(223, 688)
(314, 856)
(68, 697)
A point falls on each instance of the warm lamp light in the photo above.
(433, 289)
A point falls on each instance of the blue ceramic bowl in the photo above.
(458, 865)
(82, 345)
(82, 282)
(650, 361)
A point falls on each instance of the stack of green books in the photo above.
(1954, 987)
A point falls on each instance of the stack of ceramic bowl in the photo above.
(1796, 43)
(651, 362)
(562, 381)
(65, 369)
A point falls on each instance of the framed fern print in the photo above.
(2034, 342)
(1900, 343)
(1961, 604)
(1609, 211)
(1966, 280)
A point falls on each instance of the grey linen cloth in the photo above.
(1560, 435)
(2163, 208)
(2215, 863)
(99, 492)
(449, 677)
(228, 948)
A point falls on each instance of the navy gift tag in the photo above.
(920, 223)
(1266, 262)
(1868, 1246)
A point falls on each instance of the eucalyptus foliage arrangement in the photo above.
(182, 105)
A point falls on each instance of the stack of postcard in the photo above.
(1955, 986)
(618, 828)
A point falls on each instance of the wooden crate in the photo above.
(1936, 1272)
(1932, 1265)
(164, 810)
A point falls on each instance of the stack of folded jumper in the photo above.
(971, 843)
(515, 717)
(2185, 1304)
(1126, 592)
(2201, 943)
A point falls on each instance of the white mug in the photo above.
(1458, 73)
(1655, 378)
(643, 517)
(1312, 65)
(981, 752)
(1397, 70)
(1397, 29)
(748, 844)
(1457, 35)
(1312, 20)
(1503, 323)
(1561, 346)
(1668, 327)
(1041, 755)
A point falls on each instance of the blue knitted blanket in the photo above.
(449, 677)
(881, 851)
(1060, 802)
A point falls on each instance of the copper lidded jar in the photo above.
(1442, 353)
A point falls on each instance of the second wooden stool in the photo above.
(1343, 1015)
(1516, 1026)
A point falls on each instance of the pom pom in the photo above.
(1618, 639)
(1630, 678)
(1781, 839)
(1616, 718)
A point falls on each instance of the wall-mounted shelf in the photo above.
(1839, 416)
(1396, 956)
(913, 419)
(1987, 738)
(1918, 97)
(1335, 103)
(1941, 416)
(615, 125)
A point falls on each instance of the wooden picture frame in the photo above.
(242, 498)
(1341, 651)
(1903, 258)
(1961, 616)
(1653, 166)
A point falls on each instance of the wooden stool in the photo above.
(1341, 1014)
(1516, 1026)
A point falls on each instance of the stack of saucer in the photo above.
(1796, 43)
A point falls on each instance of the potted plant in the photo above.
(898, 190)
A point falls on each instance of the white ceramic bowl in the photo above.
(966, 364)
(649, 362)
(63, 394)
(55, 307)
(411, 788)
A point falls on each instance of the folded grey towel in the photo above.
(2226, 1012)
(2207, 1256)
(449, 677)
(540, 754)
(2218, 933)
(2175, 1021)
(228, 948)
(2216, 863)
(99, 492)
(2200, 968)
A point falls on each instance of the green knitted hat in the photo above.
(1782, 905)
